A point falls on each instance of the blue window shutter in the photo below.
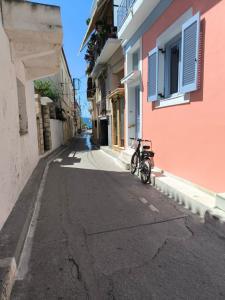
(190, 54)
(153, 75)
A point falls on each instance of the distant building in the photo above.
(62, 85)
(105, 69)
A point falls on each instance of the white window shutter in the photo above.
(190, 54)
(153, 74)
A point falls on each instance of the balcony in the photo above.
(102, 44)
(131, 14)
(35, 34)
(123, 11)
(91, 89)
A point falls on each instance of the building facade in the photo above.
(180, 62)
(173, 62)
(105, 64)
(29, 50)
(62, 85)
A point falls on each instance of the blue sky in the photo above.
(74, 14)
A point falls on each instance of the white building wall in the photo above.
(18, 153)
(115, 65)
(56, 133)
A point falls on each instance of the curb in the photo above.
(215, 220)
(124, 164)
(210, 207)
(7, 274)
(12, 239)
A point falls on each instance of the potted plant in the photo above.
(99, 25)
(88, 21)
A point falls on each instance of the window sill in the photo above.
(172, 101)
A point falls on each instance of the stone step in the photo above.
(120, 156)
(220, 201)
(207, 205)
(186, 194)
(215, 219)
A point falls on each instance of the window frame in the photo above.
(167, 37)
(136, 64)
(177, 40)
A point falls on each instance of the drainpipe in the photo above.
(1, 17)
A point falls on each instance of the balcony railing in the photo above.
(97, 43)
(91, 89)
(123, 11)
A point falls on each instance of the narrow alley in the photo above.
(101, 234)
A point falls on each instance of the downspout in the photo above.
(1, 13)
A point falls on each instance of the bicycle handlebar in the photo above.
(140, 140)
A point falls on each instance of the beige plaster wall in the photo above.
(56, 133)
(18, 153)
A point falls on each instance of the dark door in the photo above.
(104, 132)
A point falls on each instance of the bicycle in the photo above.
(142, 159)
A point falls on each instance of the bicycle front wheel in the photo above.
(134, 163)
(145, 171)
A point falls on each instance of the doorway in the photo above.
(104, 132)
(134, 113)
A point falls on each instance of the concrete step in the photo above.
(220, 201)
(215, 219)
(186, 194)
(122, 157)
(207, 205)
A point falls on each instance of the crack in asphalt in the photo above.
(187, 226)
(160, 249)
(70, 258)
(136, 226)
(76, 265)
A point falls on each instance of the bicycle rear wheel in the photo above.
(134, 163)
(145, 170)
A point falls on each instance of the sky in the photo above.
(74, 15)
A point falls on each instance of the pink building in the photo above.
(187, 122)
(178, 92)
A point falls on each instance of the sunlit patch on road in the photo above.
(58, 160)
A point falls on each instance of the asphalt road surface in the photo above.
(102, 234)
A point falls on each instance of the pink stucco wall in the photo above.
(189, 139)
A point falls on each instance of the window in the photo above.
(173, 64)
(23, 119)
(135, 60)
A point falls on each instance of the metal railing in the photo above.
(91, 89)
(123, 11)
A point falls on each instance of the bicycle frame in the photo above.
(143, 154)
